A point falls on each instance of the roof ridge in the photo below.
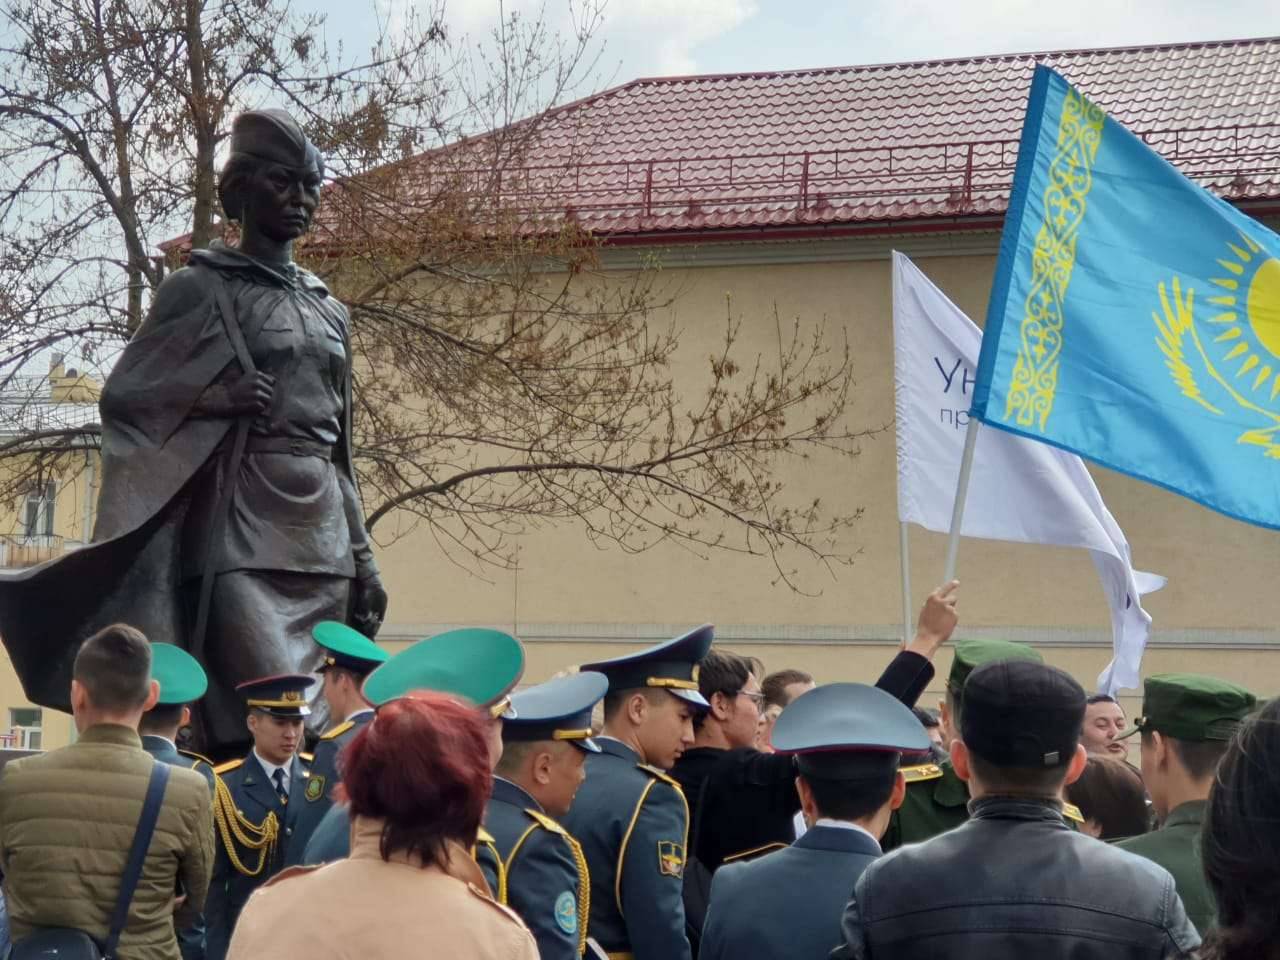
(976, 58)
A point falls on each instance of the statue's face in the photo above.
(280, 201)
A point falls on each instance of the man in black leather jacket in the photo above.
(1015, 881)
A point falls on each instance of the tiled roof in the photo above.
(893, 142)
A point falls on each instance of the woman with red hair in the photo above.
(416, 778)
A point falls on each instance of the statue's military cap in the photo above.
(347, 648)
(1189, 706)
(179, 674)
(671, 665)
(559, 709)
(281, 696)
(477, 664)
(274, 135)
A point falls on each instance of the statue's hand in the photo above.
(252, 393)
(371, 605)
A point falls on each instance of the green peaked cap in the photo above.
(181, 678)
(971, 654)
(347, 647)
(1191, 706)
(474, 663)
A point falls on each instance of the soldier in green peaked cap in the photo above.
(1187, 721)
(937, 800)
(475, 664)
(182, 682)
(349, 657)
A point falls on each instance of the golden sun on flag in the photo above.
(1250, 316)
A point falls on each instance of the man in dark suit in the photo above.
(544, 874)
(256, 802)
(182, 682)
(743, 801)
(349, 657)
(847, 740)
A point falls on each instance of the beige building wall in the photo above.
(73, 483)
(572, 601)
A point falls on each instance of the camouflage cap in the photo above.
(971, 654)
(1191, 706)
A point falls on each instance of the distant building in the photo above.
(54, 516)
(790, 189)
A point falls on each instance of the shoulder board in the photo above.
(228, 766)
(487, 897)
(542, 820)
(924, 771)
(484, 836)
(658, 774)
(289, 872)
(306, 756)
(198, 757)
(337, 731)
(1072, 812)
(755, 852)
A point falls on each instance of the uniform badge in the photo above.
(567, 913)
(315, 787)
(670, 858)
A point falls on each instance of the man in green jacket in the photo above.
(67, 817)
(937, 800)
(1186, 724)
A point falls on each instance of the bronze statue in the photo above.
(228, 519)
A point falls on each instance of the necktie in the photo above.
(281, 789)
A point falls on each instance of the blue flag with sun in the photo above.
(1134, 316)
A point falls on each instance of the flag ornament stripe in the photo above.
(1035, 372)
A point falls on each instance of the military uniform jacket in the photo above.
(937, 800)
(751, 798)
(191, 938)
(247, 791)
(540, 871)
(1176, 847)
(633, 824)
(166, 752)
(322, 777)
(786, 905)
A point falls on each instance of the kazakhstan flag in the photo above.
(1134, 316)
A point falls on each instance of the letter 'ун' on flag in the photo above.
(1134, 316)
(1019, 490)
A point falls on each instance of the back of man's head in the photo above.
(1020, 726)
(848, 785)
(114, 668)
(782, 686)
(722, 672)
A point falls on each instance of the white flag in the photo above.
(1019, 490)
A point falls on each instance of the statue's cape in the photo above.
(151, 449)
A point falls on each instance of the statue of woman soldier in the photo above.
(228, 519)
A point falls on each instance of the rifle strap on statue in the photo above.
(223, 508)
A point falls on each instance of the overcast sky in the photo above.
(645, 38)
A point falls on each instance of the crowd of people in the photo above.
(672, 803)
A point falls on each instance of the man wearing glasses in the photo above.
(742, 801)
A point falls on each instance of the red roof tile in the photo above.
(859, 146)
(894, 142)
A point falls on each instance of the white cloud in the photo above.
(639, 37)
(664, 35)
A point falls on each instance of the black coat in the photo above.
(751, 801)
(1015, 881)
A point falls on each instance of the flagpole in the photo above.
(962, 492)
(905, 556)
